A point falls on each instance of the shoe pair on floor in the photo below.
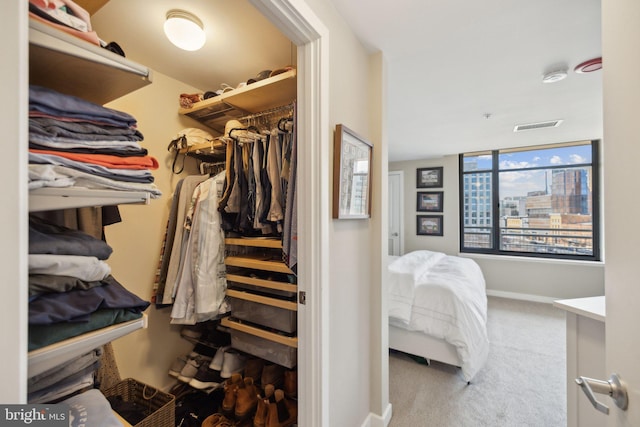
(243, 399)
(274, 409)
(202, 371)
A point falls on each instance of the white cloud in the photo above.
(577, 158)
(555, 160)
(509, 164)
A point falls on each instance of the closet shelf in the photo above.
(273, 302)
(258, 242)
(52, 355)
(76, 67)
(257, 262)
(264, 283)
(262, 95)
(50, 198)
(261, 333)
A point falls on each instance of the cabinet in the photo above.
(585, 319)
(75, 67)
(263, 291)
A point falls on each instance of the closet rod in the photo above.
(269, 112)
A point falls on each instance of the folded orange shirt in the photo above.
(106, 160)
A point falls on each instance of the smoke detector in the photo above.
(554, 76)
(589, 66)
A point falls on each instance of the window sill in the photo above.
(598, 264)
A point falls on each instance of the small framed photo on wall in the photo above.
(429, 177)
(429, 201)
(429, 225)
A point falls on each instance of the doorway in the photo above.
(396, 213)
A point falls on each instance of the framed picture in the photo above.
(429, 201)
(429, 177)
(429, 225)
(351, 175)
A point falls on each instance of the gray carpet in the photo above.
(522, 383)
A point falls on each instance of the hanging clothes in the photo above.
(201, 282)
(290, 232)
(175, 255)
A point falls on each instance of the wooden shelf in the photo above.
(50, 198)
(52, 355)
(257, 262)
(273, 302)
(266, 94)
(270, 284)
(76, 67)
(271, 336)
(257, 242)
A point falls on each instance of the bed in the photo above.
(438, 309)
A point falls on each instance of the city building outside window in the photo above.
(535, 201)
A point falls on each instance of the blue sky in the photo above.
(520, 182)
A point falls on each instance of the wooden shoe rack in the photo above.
(262, 292)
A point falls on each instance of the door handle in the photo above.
(613, 388)
(394, 234)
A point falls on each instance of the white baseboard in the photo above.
(374, 420)
(519, 296)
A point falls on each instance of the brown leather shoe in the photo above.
(268, 393)
(287, 409)
(246, 398)
(272, 374)
(260, 420)
(291, 383)
(253, 369)
(230, 391)
(217, 420)
(272, 416)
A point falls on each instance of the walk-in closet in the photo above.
(199, 223)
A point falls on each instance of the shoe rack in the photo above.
(262, 291)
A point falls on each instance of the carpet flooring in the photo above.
(521, 385)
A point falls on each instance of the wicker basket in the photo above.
(159, 407)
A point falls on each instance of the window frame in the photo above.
(495, 202)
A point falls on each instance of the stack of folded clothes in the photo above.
(71, 289)
(64, 15)
(74, 142)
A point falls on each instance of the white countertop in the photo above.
(592, 307)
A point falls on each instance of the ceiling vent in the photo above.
(541, 125)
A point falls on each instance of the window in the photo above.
(536, 201)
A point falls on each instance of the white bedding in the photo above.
(442, 296)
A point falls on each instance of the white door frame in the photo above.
(302, 27)
(401, 207)
(14, 211)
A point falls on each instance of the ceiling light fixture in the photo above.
(554, 76)
(184, 30)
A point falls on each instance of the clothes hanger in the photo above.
(282, 124)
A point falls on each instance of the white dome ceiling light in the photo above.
(184, 30)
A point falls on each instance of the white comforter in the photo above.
(442, 296)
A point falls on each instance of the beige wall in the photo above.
(507, 276)
(353, 243)
(147, 354)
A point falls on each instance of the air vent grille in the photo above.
(541, 125)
